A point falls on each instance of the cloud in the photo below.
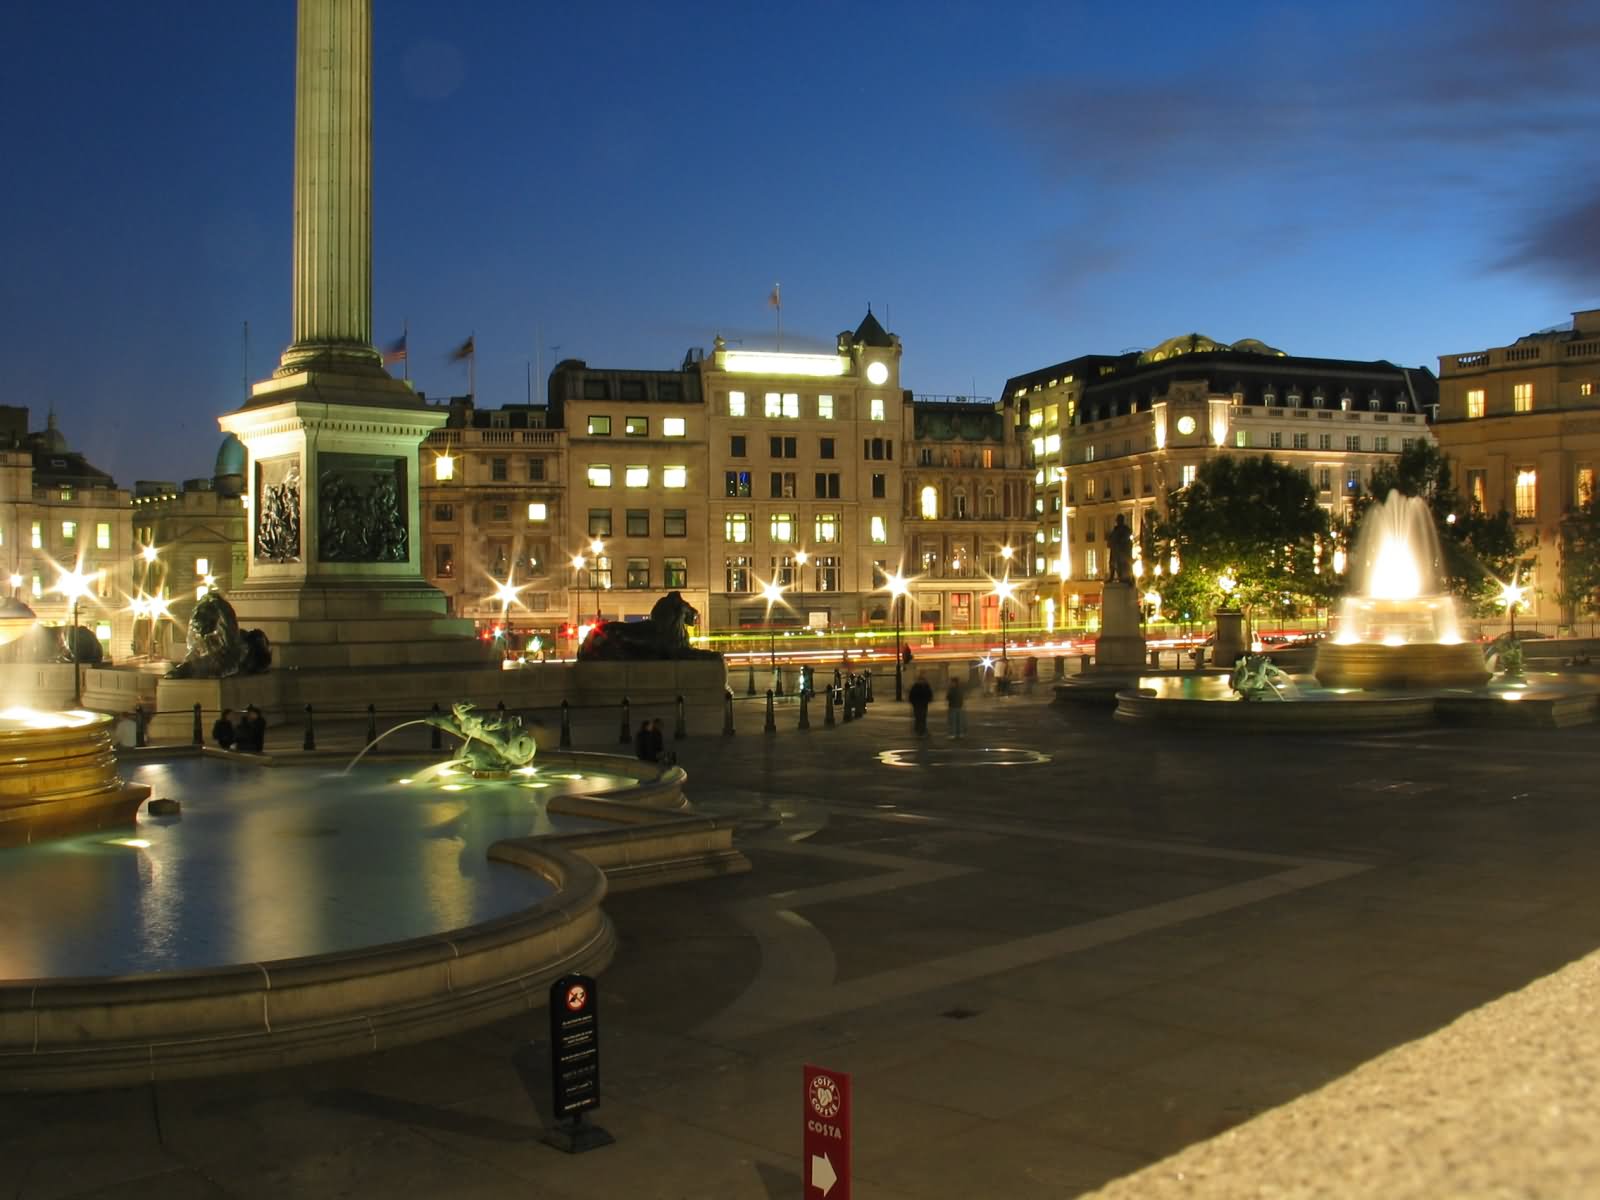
(1562, 244)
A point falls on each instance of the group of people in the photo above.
(248, 736)
(955, 699)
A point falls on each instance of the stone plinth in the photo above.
(1121, 643)
(1230, 643)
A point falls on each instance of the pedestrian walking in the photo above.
(955, 699)
(921, 696)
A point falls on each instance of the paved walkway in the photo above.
(1051, 954)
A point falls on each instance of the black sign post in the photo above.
(575, 1064)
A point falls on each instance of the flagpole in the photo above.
(472, 368)
(777, 303)
(405, 340)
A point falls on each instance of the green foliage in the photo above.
(1580, 557)
(1254, 519)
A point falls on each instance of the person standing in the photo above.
(223, 732)
(644, 743)
(658, 741)
(252, 731)
(955, 698)
(921, 696)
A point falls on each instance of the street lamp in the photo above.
(1511, 595)
(1004, 588)
(74, 586)
(801, 558)
(897, 589)
(773, 591)
(506, 593)
(596, 548)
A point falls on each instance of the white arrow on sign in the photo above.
(822, 1176)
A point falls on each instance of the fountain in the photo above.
(1398, 628)
(58, 772)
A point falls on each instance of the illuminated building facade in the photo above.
(968, 498)
(1111, 436)
(1522, 424)
(198, 531)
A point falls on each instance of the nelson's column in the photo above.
(333, 572)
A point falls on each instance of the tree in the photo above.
(1479, 552)
(1251, 521)
(1580, 557)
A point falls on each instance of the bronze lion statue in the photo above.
(664, 634)
(217, 647)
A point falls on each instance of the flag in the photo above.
(465, 350)
(774, 300)
(395, 351)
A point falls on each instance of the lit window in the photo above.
(827, 527)
(773, 406)
(1038, 446)
(674, 477)
(930, 504)
(102, 632)
(202, 566)
(880, 531)
(736, 527)
(1091, 563)
(636, 426)
(38, 586)
(599, 426)
(69, 531)
(1522, 397)
(599, 476)
(1586, 388)
(636, 477)
(791, 405)
(102, 536)
(1241, 438)
(444, 467)
(1038, 477)
(538, 511)
(1585, 484)
(673, 427)
(1052, 444)
(875, 409)
(1190, 470)
(825, 407)
(38, 537)
(1475, 402)
(1036, 418)
(782, 527)
(736, 404)
(1527, 494)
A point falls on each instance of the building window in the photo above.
(1091, 563)
(877, 448)
(499, 512)
(1475, 402)
(1522, 397)
(738, 574)
(69, 531)
(444, 560)
(675, 573)
(1300, 441)
(444, 467)
(638, 575)
(536, 470)
(1324, 479)
(782, 527)
(444, 512)
(1583, 490)
(1188, 476)
(538, 510)
(825, 408)
(499, 470)
(1586, 388)
(1324, 441)
(827, 579)
(875, 409)
(782, 485)
(736, 404)
(600, 573)
(736, 483)
(599, 476)
(785, 447)
(736, 527)
(38, 537)
(773, 406)
(958, 505)
(1352, 480)
(637, 522)
(1241, 438)
(636, 426)
(826, 527)
(1380, 444)
(929, 504)
(880, 487)
(736, 446)
(674, 477)
(1527, 494)
(675, 523)
(102, 536)
(673, 427)
(825, 449)
(1275, 440)
(599, 522)
(599, 426)
(636, 477)
(880, 531)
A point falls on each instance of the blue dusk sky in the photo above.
(1008, 185)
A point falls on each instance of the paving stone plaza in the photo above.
(1050, 955)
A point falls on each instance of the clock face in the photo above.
(1186, 425)
(877, 373)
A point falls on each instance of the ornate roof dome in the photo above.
(228, 476)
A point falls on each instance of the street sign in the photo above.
(574, 1045)
(825, 1146)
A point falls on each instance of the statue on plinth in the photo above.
(217, 647)
(489, 745)
(663, 635)
(1119, 548)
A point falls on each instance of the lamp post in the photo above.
(74, 586)
(897, 589)
(1511, 595)
(596, 548)
(1003, 588)
(801, 558)
(506, 593)
(772, 590)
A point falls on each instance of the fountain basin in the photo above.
(58, 775)
(1409, 665)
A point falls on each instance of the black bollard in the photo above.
(624, 736)
(867, 699)
(566, 726)
(751, 681)
(680, 726)
(772, 719)
(199, 732)
(436, 735)
(827, 712)
(311, 733)
(727, 712)
(805, 703)
(141, 726)
(849, 704)
(777, 680)
(372, 723)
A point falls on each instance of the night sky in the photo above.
(1008, 185)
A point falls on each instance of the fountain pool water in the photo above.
(1398, 628)
(280, 863)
